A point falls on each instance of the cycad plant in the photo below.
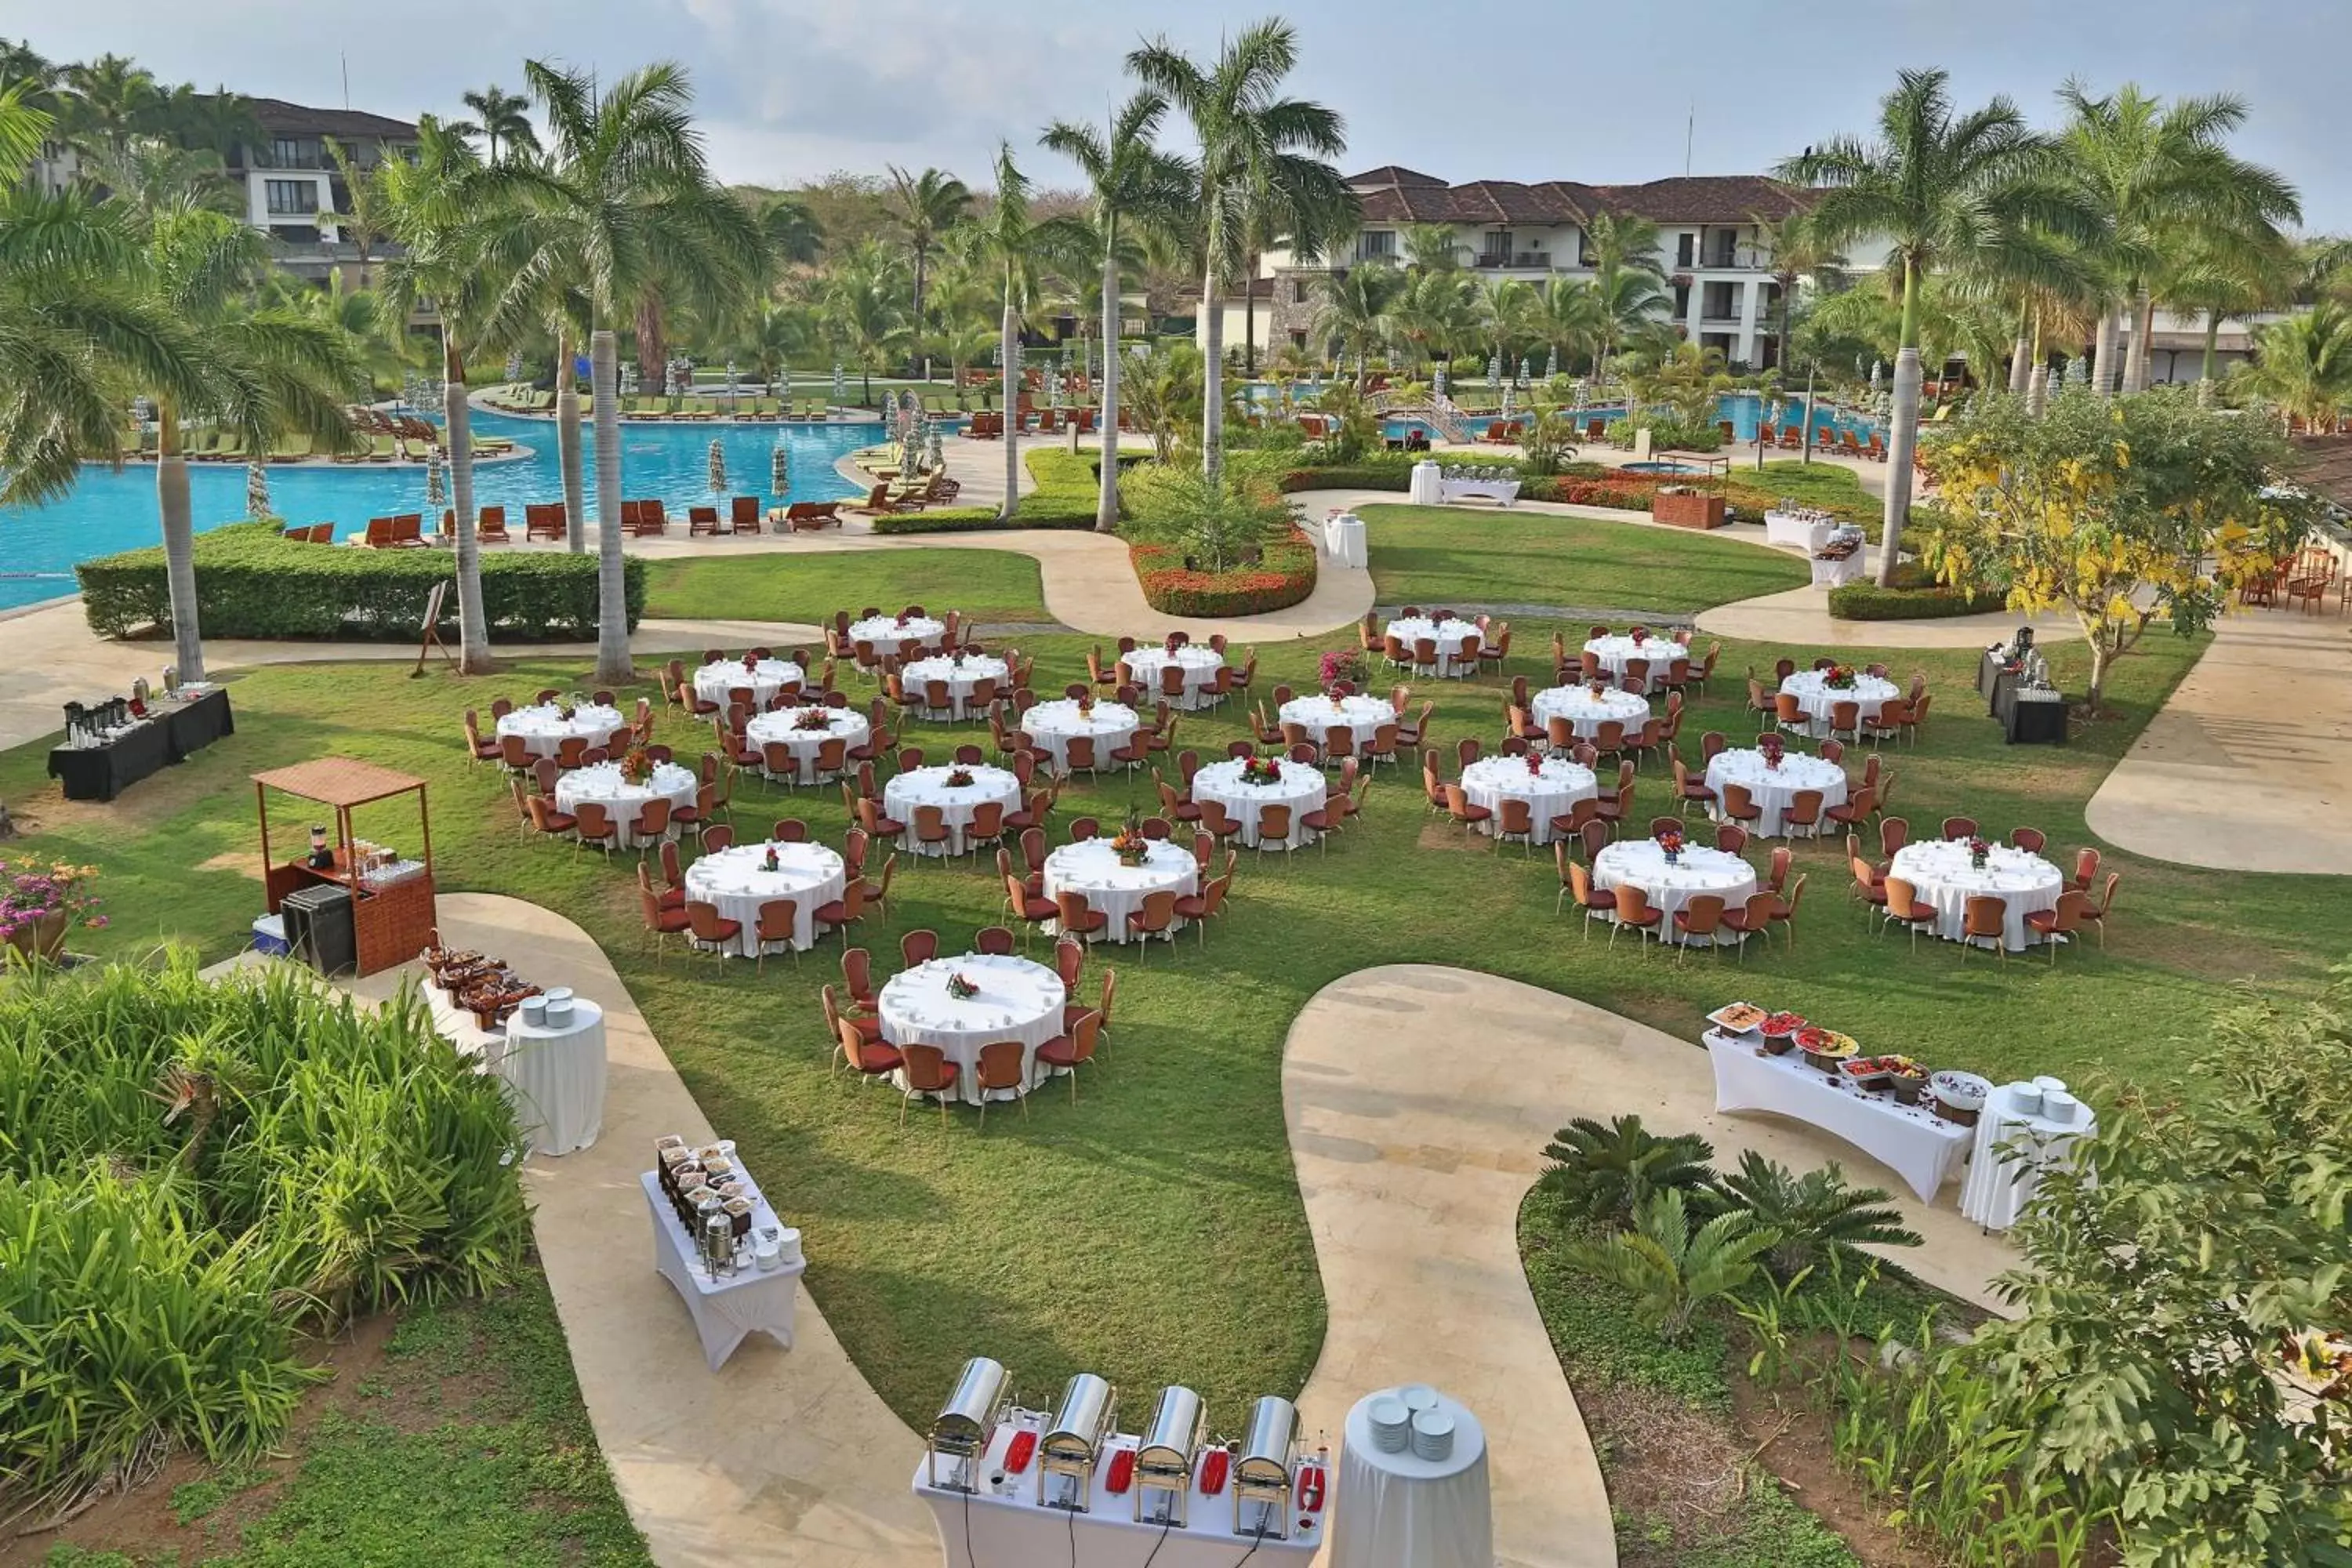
(1813, 1216)
(1607, 1172)
(1669, 1269)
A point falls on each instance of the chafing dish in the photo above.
(1163, 1463)
(961, 1431)
(1074, 1441)
(1262, 1473)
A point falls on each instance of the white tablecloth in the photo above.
(1362, 716)
(604, 785)
(886, 633)
(1702, 869)
(713, 682)
(1303, 789)
(1343, 541)
(1774, 788)
(1807, 531)
(960, 674)
(1615, 651)
(1091, 866)
(1401, 1511)
(1837, 572)
(929, 787)
(2000, 1183)
(555, 1073)
(1053, 725)
(1549, 794)
(1199, 661)
(1447, 635)
(1912, 1141)
(737, 880)
(1585, 712)
(846, 722)
(1870, 692)
(1018, 1000)
(1431, 486)
(1940, 869)
(732, 1308)
(544, 728)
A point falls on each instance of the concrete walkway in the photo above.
(2248, 766)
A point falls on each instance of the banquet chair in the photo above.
(1776, 873)
(857, 982)
(1914, 716)
(720, 836)
(1425, 658)
(925, 1070)
(515, 755)
(1984, 919)
(652, 826)
(2098, 916)
(1156, 827)
(789, 830)
(1083, 828)
(1662, 825)
(1731, 838)
(908, 759)
(594, 755)
(1857, 809)
(1904, 905)
(986, 826)
(2087, 867)
(1137, 752)
(1834, 750)
(1204, 850)
(1782, 669)
(1157, 917)
(1752, 919)
(2074, 907)
(1305, 753)
(501, 706)
(1804, 810)
(2031, 839)
(544, 774)
(776, 922)
(1032, 908)
(545, 695)
(1633, 909)
(1460, 807)
(841, 913)
(1869, 888)
(1636, 676)
(871, 894)
(831, 758)
(593, 823)
(1219, 822)
(1788, 713)
(1515, 818)
(1711, 742)
(1000, 1067)
(1687, 791)
(1272, 822)
(918, 947)
(1894, 832)
(1077, 917)
(1959, 827)
(1614, 809)
(1700, 916)
(1200, 908)
(479, 751)
(1575, 880)
(662, 920)
(997, 941)
(930, 827)
(1887, 720)
(1739, 805)
(1067, 1051)
(1078, 756)
(673, 876)
(1845, 719)
(1784, 910)
(969, 756)
(709, 930)
(1174, 806)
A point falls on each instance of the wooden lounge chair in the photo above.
(380, 533)
(702, 520)
(1848, 445)
(544, 521)
(492, 528)
(878, 503)
(743, 514)
(1876, 452)
(409, 531)
(819, 513)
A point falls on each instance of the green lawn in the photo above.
(1827, 485)
(1425, 555)
(987, 585)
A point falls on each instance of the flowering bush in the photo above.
(1341, 664)
(32, 894)
(1283, 576)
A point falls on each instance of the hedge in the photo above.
(1066, 495)
(1284, 576)
(1916, 596)
(253, 583)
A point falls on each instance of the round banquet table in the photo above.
(1446, 634)
(847, 723)
(714, 680)
(544, 728)
(1198, 662)
(1017, 1000)
(1773, 789)
(2013, 1147)
(1585, 712)
(1869, 692)
(1303, 789)
(1092, 867)
(929, 787)
(736, 879)
(1548, 793)
(1053, 725)
(1612, 652)
(960, 674)
(555, 1075)
(1701, 870)
(603, 785)
(887, 635)
(1940, 869)
(1361, 715)
(1401, 1511)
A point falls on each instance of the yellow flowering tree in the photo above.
(2123, 513)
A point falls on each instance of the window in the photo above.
(1686, 245)
(1374, 244)
(1298, 290)
(293, 198)
(1299, 337)
(1719, 302)
(293, 152)
(1682, 301)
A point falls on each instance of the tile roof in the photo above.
(1393, 174)
(1704, 198)
(278, 116)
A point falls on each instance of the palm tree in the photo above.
(1626, 271)
(108, 101)
(2159, 176)
(1351, 309)
(1797, 252)
(625, 203)
(863, 308)
(1573, 317)
(789, 229)
(2225, 273)
(1012, 245)
(1258, 151)
(1513, 309)
(2303, 365)
(219, 122)
(501, 117)
(770, 338)
(368, 222)
(1431, 248)
(925, 206)
(1436, 314)
(1128, 179)
(1974, 191)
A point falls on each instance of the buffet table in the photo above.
(1912, 1141)
(554, 1073)
(1431, 486)
(1836, 572)
(1401, 1511)
(1804, 530)
(1343, 541)
(730, 1309)
(2000, 1182)
(168, 735)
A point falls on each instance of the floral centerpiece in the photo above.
(1639, 635)
(1086, 701)
(1175, 641)
(1261, 770)
(962, 989)
(1600, 687)
(1771, 749)
(637, 766)
(768, 862)
(1838, 678)
(39, 903)
(1978, 853)
(1340, 664)
(959, 778)
(1535, 766)
(900, 620)
(811, 719)
(1670, 843)
(1130, 844)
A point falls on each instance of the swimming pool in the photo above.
(1744, 409)
(110, 512)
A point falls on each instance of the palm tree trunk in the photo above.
(2103, 356)
(567, 449)
(1249, 319)
(1787, 296)
(179, 544)
(653, 340)
(473, 634)
(918, 312)
(1213, 378)
(612, 581)
(1902, 433)
(1107, 503)
(1008, 343)
(2137, 368)
(2205, 369)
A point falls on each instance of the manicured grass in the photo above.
(1436, 556)
(1827, 485)
(809, 586)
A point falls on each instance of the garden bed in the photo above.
(1282, 575)
(1916, 596)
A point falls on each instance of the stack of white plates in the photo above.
(1432, 1433)
(1418, 1398)
(559, 1005)
(1391, 1424)
(2025, 1099)
(2059, 1106)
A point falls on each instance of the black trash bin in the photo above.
(318, 930)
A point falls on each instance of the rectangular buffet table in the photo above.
(732, 1308)
(171, 733)
(1912, 1141)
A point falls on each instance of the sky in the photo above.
(793, 89)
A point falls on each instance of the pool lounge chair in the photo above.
(702, 520)
(1848, 445)
(543, 520)
(743, 514)
(492, 528)
(878, 503)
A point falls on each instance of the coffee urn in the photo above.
(1262, 1474)
(961, 1431)
(1164, 1464)
(1074, 1442)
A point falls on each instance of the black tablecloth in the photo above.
(2028, 721)
(101, 773)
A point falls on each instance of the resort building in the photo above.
(292, 190)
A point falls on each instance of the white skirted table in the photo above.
(714, 680)
(929, 787)
(1092, 867)
(846, 725)
(1401, 1511)
(1431, 484)
(1805, 531)
(731, 1307)
(1016, 1000)
(1616, 652)
(2013, 1147)
(1836, 572)
(1912, 1141)
(1301, 787)
(961, 675)
(1199, 661)
(1940, 871)
(1343, 541)
(604, 785)
(1773, 790)
(1701, 869)
(544, 728)
(1553, 787)
(1053, 725)
(888, 634)
(738, 881)
(1586, 712)
(1448, 635)
(1819, 699)
(555, 1075)
(1360, 716)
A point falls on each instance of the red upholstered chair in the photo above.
(1959, 827)
(1067, 1052)
(777, 925)
(1739, 805)
(2098, 916)
(918, 947)
(707, 928)
(928, 1071)
(843, 912)
(1460, 807)
(660, 922)
(1700, 917)
(1069, 960)
(996, 939)
(2030, 839)
(1577, 882)
(1077, 917)
(1002, 1066)
(1731, 838)
(1634, 913)
(1894, 832)
(1753, 919)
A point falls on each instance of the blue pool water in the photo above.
(110, 511)
(1744, 409)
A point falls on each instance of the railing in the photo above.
(1438, 410)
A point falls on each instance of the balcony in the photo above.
(1517, 261)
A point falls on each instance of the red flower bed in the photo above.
(1621, 491)
(1284, 577)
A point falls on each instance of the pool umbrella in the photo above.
(1551, 362)
(938, 459)
(1877, 372)
(840, 391)
(1526, 369)
(718, 466)
(784, 391)
(1506, 400)
(1437, 381)
(731, 387)
(780, 469)
(1495, 367)
(2078, 371)
(514, 364)
(257, 491)
(435, 496)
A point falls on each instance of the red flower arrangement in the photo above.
(1838, 678)
(769, 862)
(1261, 770)
(959, 778)
(1771, 748)
(962, 989)
(1978, 853)
(811, 719)
(1671, 842)
(1535, 766)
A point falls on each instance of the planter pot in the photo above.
(1695, 510)
(44, 940)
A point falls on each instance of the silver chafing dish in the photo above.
(961, 1431)
(1262, 1473)
(1074, 1441)
(1164, 1464)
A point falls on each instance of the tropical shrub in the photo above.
(1813, 1215)
(1607, 1174)
(1916, 596)
(1668, 1268)
(1282, 575)
(1666, 431)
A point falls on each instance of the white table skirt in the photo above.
(1836, 573)
(1362, 716)
(1585, 713)
(604, 785)
(1912, 1141)
(1092, 867)
(928, 786)
(1940, 871)
(888, 636)
(1774, 789)
(961, 679)
(2000, 1183)
(1613, 652)
(1303, 789)
(1199, 661)
(1869, 693)
(1401, 1511)
(1798, 531)
(555, 1074)
(1430, 485)
(731, 1309)
(1702, 869)
(1018, 1000)
(847, 723)
(544, 730)
(713, 682)
(734, 879)
(1343, 541)
(1549, 794)
(1447, 635)
(1053, 725)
